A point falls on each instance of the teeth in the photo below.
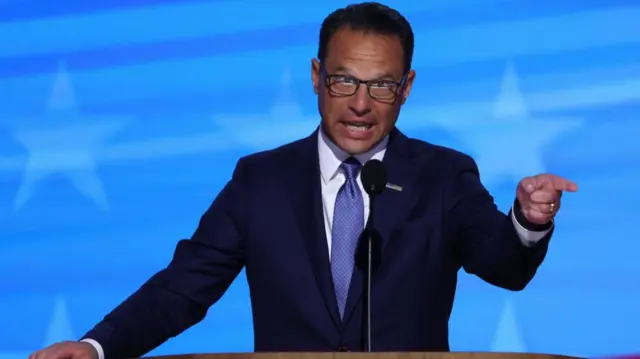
(358, 126)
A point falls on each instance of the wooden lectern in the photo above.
(452, 355)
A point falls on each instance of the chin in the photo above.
(355, 147)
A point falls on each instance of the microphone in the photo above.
(374, 177)
(369, 252)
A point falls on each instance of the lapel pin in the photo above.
(394, 187)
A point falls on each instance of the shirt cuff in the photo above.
(530, 234)
(96, 346)
(527, 237)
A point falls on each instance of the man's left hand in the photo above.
(539, 196)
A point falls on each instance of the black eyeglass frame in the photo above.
(369, 83)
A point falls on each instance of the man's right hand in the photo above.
(66, 350)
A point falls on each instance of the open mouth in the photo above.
(357, 126)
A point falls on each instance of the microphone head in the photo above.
(374, 177)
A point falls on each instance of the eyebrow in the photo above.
(378, 76)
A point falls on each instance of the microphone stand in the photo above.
(369, 256)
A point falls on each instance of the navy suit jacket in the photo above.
(268, 219)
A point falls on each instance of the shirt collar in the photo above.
(331, 156)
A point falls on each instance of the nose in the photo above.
(360, 102)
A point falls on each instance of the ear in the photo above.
(408, 84)
(315, 75)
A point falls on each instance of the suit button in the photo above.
(344, 348)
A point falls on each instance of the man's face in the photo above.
(356, 122)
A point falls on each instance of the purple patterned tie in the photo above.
(348, 223)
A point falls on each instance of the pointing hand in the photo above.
(539, 196)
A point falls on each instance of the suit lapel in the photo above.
(391, 205)
(306, 194)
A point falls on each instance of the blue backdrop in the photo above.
(121, 120)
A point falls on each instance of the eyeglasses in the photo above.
(343, 85)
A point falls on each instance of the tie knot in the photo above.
(351, 167)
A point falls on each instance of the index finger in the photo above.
(562, 184)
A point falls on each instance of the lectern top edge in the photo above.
(383, 355)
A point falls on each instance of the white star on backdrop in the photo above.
(508, 337)
(285, 122)
(509, 145)
(65, 143)
(59, 328)
(278, 127)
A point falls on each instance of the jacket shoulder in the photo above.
(429, 153)
(273, 160)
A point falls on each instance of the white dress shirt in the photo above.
(332, 178)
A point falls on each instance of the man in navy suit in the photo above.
(291, 216)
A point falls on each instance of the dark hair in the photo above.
(368, 17)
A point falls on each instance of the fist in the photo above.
(67, 350)
(539, 196)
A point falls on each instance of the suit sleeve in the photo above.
(177, 297)
(486, 239)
